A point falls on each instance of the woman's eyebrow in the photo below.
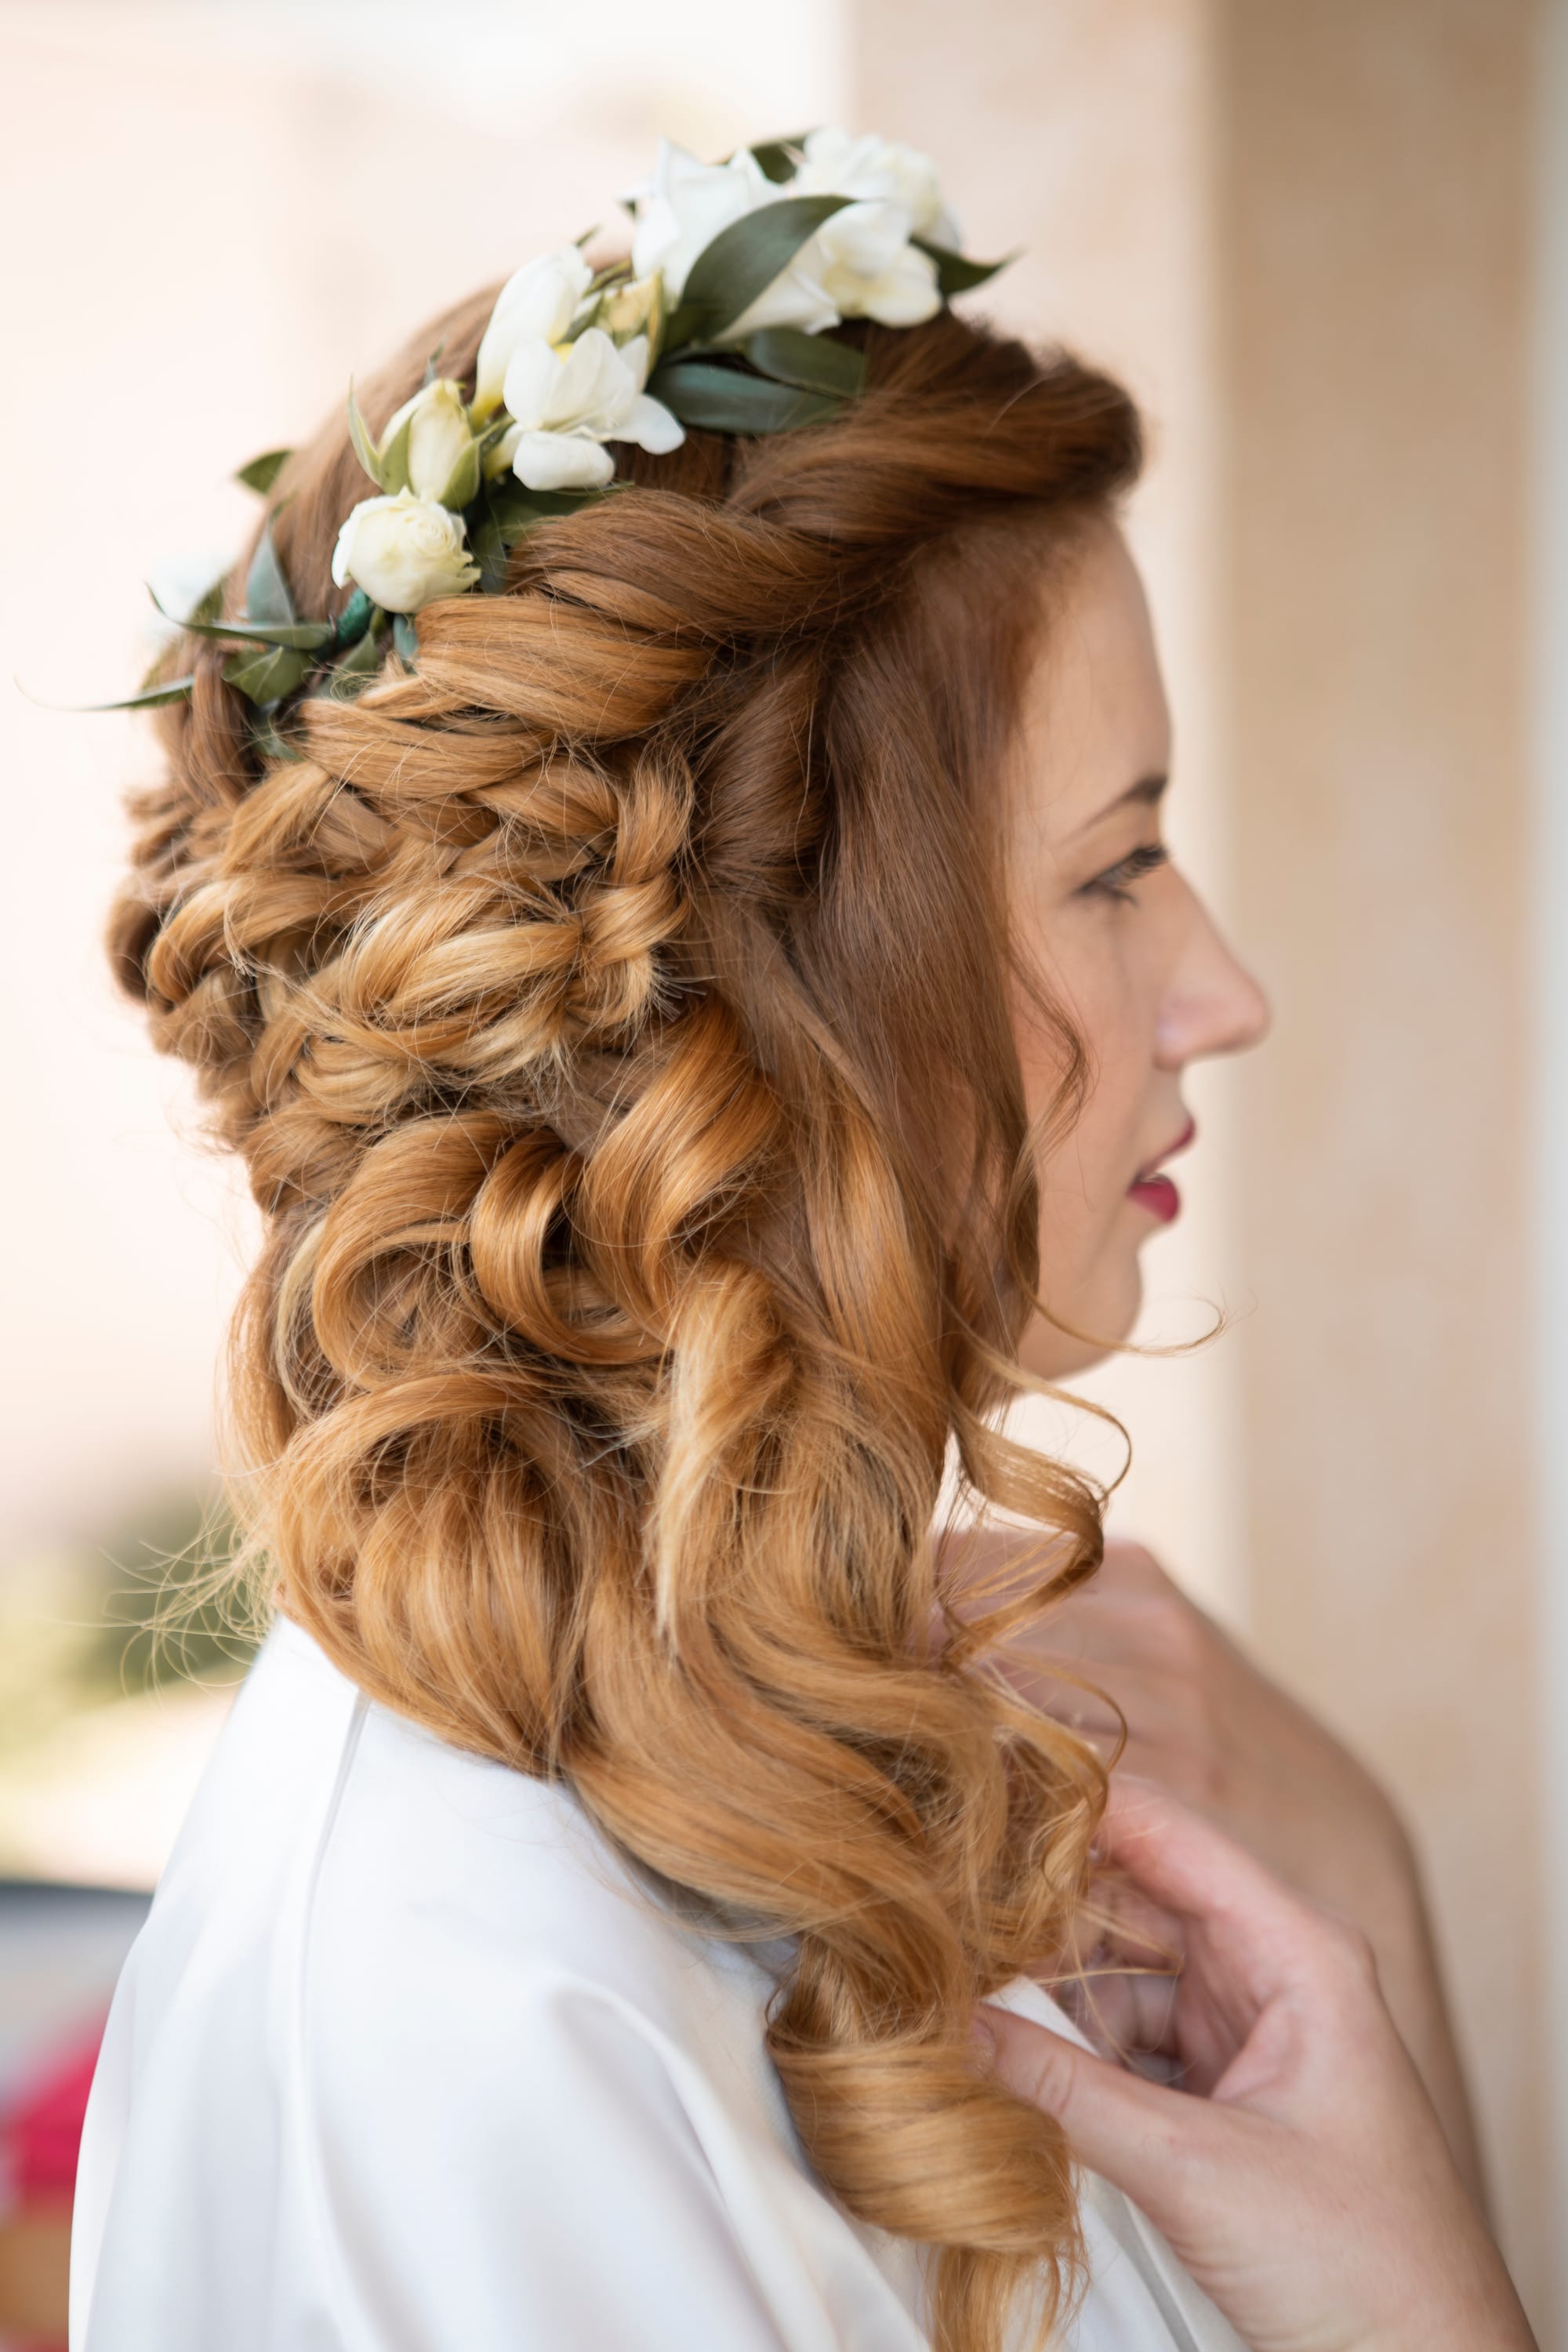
(1148, 789)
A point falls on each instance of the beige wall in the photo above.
(1373, 228)
(1301, 233)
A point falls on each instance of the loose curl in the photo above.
(613, 1017)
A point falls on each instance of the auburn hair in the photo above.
(613, 1014)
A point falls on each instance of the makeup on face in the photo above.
(1153, 1189)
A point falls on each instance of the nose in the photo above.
(1212, 1003)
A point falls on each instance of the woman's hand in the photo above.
(1204, 1724)
(1307, 2185)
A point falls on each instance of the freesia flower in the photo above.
(404, 552)
(537, 303)
(567, 402)
(439, 440)
(837, 163)
(685, 204)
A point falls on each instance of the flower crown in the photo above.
(715, 318)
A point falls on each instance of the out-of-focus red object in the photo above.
(40, 2137)
(40, 2127)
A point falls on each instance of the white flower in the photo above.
(404, 552)
(567, 402)
(439, 440)
(537, 303)
(685, 204)
(683, 208)
(868, 269)
(838, 164)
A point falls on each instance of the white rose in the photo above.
(439, 436)
(836, 163)
(566, 403)
(539, 301)
(404, 552)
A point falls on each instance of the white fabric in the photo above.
(404, 2062)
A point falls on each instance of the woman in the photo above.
(703, 1028)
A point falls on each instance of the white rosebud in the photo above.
(439, 437)
(538, 301)
(404, 552)
(566, 403)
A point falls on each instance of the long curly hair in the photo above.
(612, 1013)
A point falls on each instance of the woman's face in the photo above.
(1120, 940)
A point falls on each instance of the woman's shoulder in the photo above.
(336, 1843)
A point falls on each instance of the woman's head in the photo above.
(617, 1017)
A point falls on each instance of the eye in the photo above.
(1117, 880)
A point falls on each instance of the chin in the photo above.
(1104, 1311)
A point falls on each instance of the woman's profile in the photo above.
(658, 875)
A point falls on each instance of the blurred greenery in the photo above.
(156, 1600)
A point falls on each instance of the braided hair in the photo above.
(611, 1013)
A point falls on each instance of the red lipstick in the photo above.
(1153, 1191)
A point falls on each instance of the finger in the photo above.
(1251, 1919)
(1134, 2134)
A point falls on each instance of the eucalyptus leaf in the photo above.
(267, 675)
(362, 660)
(264, 736)
(406, 637)
(812, 362)
(463, 482)
(954, 274)
(729, 400)
(267, 599)
(742, 261)
(263, 471)
(355, 619)
(301, 637)
(777, 159)
(208, 607)
(176, 690)
(393, 472)
(364, 448)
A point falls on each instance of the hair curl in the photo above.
(613, 1015)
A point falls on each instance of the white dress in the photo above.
(405, 2061)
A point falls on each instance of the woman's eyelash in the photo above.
(1117, 880)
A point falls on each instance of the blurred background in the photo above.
(1327, 247)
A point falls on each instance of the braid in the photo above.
(611, 1012)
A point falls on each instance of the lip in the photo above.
(1153, 1191)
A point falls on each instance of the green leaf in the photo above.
(463, 482)
(727, 400)
(148, 698)
(406, 637)
(208, 607)
(393, 473)
(432, 363)
(360, 667)
(954, 274)
(267, 675)
(778, 158)
(813, 362)
(355, 619)
(266, 598)
(742, 261)
(264, 736)
(364, 447)
(263, 471)
(301, 636)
